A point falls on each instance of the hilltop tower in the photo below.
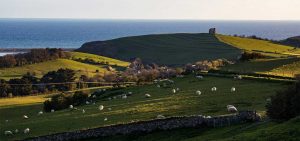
(212, 31)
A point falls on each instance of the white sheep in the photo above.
(231, 109)
(158, 86)
(25, 117)
(104, 90)
(105, 119)
(8, 133)
(147, 95)
(177, 89)
(130, 93)
(109, 109)
(101, 107)
(26, 131)
(160, 117)
(40, 113)
(71, 106)
(232, 89)
(94, 96)
(198, 92)
(174, 91)
(213, 89)
(124, 96)
(87, 102)
(16, 131)
(83, 111)
(239, 77)
(208, 116)
(7, 120)
(52, 110)
(199, 77)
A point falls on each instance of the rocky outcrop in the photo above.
(154, 125)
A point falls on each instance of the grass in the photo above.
(167, 49)
(42, 68)
(258, 45)
(97, 58)
(281, 67)
(266, 131)
(250, 94)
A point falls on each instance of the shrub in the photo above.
(285, 104)
(246, 56)
(79, 97)
(58, 102)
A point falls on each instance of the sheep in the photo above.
(158, 86)
(8, 133)
(26, 131)
(233, 89)
(94, 96)
(71, 106)
(208, 116)
(199, 77)
(25, 117)
(105, 119)
(52, 110)
(239, 77)
(16, 131)
(177, 89)
(40, 113)
(269, 100)
(104, 90)
(7, 120)
(213, 89)
(83, 111)
(129, 93)
(198, 92)
(160, 117)
(109, 109)
(124, 96)
(147, 95)
(231, 109)
(87, 102)
(101, 107)
(174, 91)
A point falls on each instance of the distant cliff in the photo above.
(293, 41)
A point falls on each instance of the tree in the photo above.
(64, 76)
(4, 88)
(20, 87)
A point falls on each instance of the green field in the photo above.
(167, 49)
(40, 69)
(250, 94)
(281, 67)
(266, 131)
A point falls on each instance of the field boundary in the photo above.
(170, 123)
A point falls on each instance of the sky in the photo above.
(153, 9)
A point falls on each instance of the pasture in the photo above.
(258, 45)
(166, 49)
(281, 67)
(249, 95)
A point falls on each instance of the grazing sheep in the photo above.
(199, 77)
(109, 109)
(8, 133)
(213, 89)
(40, 113)
(94, 96)
(147, 95)
(177, 89)
(101, 107)
(158, 86)
(105, 119)
(231, 109)
(160, 117)
(87, 102)
(71, 106)
(26, 131)
(198, 92)
(16, 131)
(104, 90)
(7, 120)
(233, 89)
(129, 93)
(239, 77)
(124, 96)
(52, 110)
(174, 91)
(208, 116)
(83, 111)
(25, 117)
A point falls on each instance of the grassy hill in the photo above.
(250, 94)
(42, 68)
(258, 45)
(170, 49)
(281, 67)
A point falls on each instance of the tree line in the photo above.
(32, 57)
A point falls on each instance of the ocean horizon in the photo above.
(72, 33)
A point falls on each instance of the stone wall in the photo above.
(153, 125)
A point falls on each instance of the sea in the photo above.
(72, 33)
